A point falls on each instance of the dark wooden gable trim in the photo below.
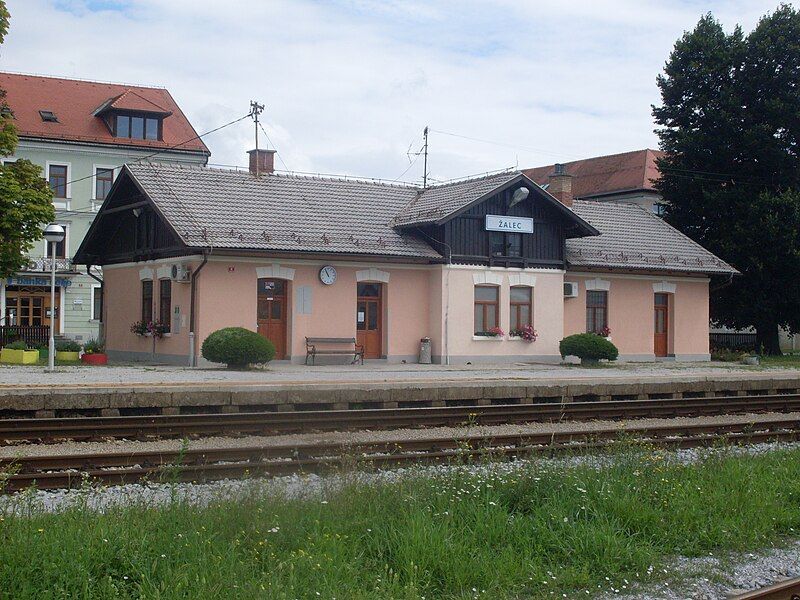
(581, 227)
(118, 235)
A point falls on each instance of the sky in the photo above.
(349, 86)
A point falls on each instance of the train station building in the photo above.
(475, 265)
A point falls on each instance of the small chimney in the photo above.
(560, 185)
(262, 161)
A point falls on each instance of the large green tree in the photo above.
(25, 198)
(729, 123)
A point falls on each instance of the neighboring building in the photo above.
(80, 133)
(294, 257)
(625, 177)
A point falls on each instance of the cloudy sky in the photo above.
(350, 85)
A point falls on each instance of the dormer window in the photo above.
(48, 116)
(136, 126)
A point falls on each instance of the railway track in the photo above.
(265, 423)
(783, 590)
(64, 471)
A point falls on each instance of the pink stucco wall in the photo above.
(459, 341)
(630, 314)
(122, 305)
(425, 300)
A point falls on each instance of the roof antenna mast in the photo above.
(425, 159)
(255, 110)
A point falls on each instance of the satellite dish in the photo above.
(519, 195)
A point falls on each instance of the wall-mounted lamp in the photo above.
(137, 212)
(518, 196)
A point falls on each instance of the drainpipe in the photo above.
(195, 273)
(102, 327)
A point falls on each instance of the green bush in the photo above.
(18, 345)
(589, 346)
(68, 346)
(726, 355)
(237, 347)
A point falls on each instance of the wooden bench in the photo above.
(313, 348)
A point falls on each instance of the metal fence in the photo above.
(733, 340)
(33, 335)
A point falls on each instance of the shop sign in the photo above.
(60, 281)
(509, 224)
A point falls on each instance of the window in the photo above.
(659, 209)
(147, 300)
(58, 180)
(138, 127)
(61, 247)
(505, 244)
(486, 308)
(48, 116)
(596, 311)
(165, 303)
(97, 303)
(521, 307)
(150, 129)
(103, 178)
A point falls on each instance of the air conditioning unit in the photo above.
(181, 273)
(570, 289)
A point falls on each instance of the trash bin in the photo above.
(425, 351)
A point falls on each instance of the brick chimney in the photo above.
(262, 161)
(560, 185)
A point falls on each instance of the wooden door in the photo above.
(272, 313)
(369, 317)
(661, 341)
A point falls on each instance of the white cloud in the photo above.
(348, 85)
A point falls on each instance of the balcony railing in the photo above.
(44, 265)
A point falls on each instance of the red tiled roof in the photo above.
(606, 174)
(76, 103)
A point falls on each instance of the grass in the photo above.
(533, 532)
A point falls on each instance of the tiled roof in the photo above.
(439, 201)
(606, 174)
(75, 103)
(230, 209)
(132, 101)
(631, 237)
(234, 210)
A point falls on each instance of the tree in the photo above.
(25, 198)
(729, 124)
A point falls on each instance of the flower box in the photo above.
(95, 359)
(68, 356)
(19, 357)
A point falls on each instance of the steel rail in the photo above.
(62, 471)
(788, 589)
(166, 426)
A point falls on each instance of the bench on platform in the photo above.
(333, 346)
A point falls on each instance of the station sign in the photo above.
(509, 224)
(60, 282)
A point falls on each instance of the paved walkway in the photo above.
(285, 374)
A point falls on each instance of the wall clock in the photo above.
(327, 275)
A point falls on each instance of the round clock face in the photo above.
(327, 275)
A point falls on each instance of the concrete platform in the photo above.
(140, 390)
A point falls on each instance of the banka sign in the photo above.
(509, 224)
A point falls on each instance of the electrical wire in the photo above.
(495, 143)
(152, 154)
(273, 145)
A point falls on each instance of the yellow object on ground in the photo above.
(19, 357)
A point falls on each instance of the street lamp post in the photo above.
(53, 233)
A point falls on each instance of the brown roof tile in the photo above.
(75, 104)
(606, 174)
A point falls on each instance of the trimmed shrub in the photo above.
(237, 347)
(18, 345)
(588, 346)
(68, 346)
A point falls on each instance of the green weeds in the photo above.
(529, 532)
